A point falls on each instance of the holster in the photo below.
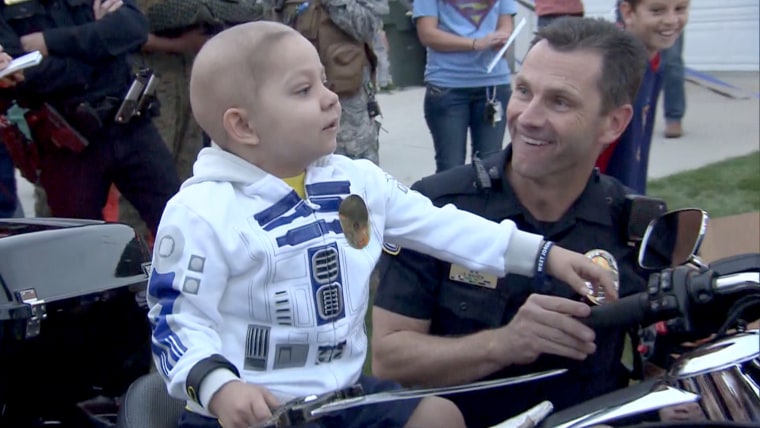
(48, 125)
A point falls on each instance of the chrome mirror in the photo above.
(673, 239)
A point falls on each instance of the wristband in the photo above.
(543, 254)
(201, 369)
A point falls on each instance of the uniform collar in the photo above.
(591, 206)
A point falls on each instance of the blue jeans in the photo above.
(673, 83)
(8, 198)
(450, 112)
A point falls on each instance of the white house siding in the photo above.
(721, 34)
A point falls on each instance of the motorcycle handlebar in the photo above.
(673, 293)
(626, 311)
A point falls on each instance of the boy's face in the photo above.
(657, 23)
(295, 117)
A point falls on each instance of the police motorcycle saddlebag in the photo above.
(73, 323)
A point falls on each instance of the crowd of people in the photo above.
(236, 162)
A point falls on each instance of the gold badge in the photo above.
(606, 260)
(472, 277)
(354, 220)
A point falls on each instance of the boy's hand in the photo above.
(576, 269)
(241, 405)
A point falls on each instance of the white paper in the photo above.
(504, 48)
(25, 61)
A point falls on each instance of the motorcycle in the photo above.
(686, 298)
(74, 332)
(708, 305)
(74, 336)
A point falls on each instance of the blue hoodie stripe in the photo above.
(329, 188)
(290, 201)
(166, 341)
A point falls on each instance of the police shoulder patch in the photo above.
(391, 249)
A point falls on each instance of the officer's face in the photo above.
(554, 114)
(295, 116)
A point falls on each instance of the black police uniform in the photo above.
(85, 76)
(418, 286)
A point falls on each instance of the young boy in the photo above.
(256, 295)
(657, 23)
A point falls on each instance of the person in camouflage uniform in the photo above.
(358, 135)
(171, 60)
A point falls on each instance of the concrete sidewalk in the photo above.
(716, 127)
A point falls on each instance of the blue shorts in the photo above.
(392, 414)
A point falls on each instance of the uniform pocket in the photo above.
(468, 308)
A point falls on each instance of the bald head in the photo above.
(228, 69)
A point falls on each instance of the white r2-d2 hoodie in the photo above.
(245, 268)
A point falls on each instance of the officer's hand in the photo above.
(104, 7)
(576, 269)
(241, 405)
(34, 42)
(545, 325)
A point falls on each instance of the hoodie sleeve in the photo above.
(456, 236)
(186, 284)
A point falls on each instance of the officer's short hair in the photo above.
(624, 57)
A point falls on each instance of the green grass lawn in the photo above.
(723, 188)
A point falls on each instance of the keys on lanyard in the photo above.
(494, 112)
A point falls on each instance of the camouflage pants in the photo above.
(380, 45)
(358, 136)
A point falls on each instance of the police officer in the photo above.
(84, 76)
(439, 324)
(171, 58)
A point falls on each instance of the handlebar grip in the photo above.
(625, 312)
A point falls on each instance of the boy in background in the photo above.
(658, 24)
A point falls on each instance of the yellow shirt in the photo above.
(297, 183)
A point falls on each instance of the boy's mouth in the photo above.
(333, 124)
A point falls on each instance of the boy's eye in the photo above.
(304, 90)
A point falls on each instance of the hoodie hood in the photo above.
(215, 164)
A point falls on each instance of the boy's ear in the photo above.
(615, 123)
(237, 124)
(626, 12)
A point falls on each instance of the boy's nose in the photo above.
(329, 99)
